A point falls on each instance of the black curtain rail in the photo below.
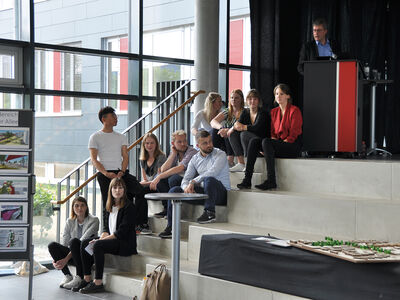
(86, 95)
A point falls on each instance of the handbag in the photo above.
(157, 286)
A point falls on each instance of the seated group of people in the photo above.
(221, 136)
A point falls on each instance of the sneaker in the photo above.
(143, 229)
(161, 214)
(266, 185)
(245, 184)
(167, 233)
(73, 283)
(238, 168)
(206, 217)
(92, 288)
(66, 279)
(83, 284)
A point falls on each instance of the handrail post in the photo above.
(68, 191)
(94, 194)
(58, 230)
(86, 190)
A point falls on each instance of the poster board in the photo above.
(16, 184)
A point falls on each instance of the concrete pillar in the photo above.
(206, 53)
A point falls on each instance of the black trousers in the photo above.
(100, 248)
(135, 193)
(58, 251)
(222, 143)
(240, 142)
(271, 148)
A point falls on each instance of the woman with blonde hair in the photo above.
(151, 159)
(118, 237)
(80, 226)
(285, 141)
(223, 123)
(212, 107)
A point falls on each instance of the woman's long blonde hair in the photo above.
(110, 199)
(230, 107)
(208, 105)
(144, 155)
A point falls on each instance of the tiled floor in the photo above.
(45, 287)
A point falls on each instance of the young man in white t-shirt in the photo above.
(109, 155)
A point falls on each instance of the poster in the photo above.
(14, 137)
(13, 239)
(13, 188)
(14, 162)
(13, 212)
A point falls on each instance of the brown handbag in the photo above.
(157, 286)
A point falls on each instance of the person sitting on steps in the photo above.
(207, 173)
(285, 141)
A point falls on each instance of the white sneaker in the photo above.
(66, 279)
(238, 168)
(73, 283)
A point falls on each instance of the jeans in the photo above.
(215, 190)
(58, 251)
(222, 143)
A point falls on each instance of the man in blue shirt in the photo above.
(319, 47)
(207, 173)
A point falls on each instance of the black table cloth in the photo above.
(238, 258)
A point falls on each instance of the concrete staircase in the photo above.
(349, 199)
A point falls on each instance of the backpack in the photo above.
(157, 286)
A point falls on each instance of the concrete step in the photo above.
(194, 286)
(133, 264)
(338, 216)
(371, 179)
(161, 247)
(237, 178)
(124, 283)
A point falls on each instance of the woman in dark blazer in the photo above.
(118, 237)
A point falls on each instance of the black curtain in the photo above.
(392, 108)
(367, 31)
(265, 44)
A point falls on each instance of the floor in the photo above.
(45, 286)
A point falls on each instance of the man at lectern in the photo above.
(321, 47)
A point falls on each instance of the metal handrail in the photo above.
(130, 147)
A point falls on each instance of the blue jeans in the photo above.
(215, 190)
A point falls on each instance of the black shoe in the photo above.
(92, 288)
(266, 185)
(80, 286)
(167, 233)
(161, 214)
(206, 217)
(245, 184)
(143, 229)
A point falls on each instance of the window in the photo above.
(10, 66)
(71, 80)
(116, 72)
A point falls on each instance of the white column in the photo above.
(206, 53)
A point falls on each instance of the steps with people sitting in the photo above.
(349, 199)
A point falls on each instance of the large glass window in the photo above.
(116, 72)
(155, 72)
(168, 28)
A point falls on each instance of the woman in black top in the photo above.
(118, 237)
(251, 124)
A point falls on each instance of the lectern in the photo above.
(332, 106)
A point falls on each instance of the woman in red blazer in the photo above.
(286, 127)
